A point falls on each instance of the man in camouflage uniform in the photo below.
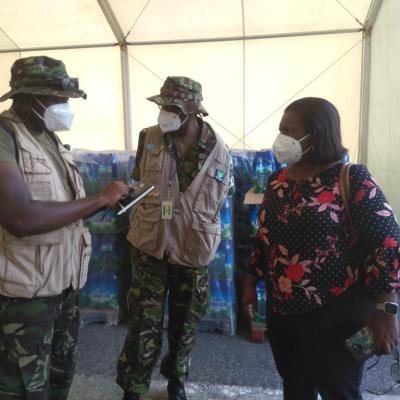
(44, 248)
(174, 232)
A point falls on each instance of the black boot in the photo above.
(131, 396)
(176, 390)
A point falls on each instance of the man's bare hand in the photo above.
(114, 192)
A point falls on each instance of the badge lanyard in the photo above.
(171, 175)
(167, 206)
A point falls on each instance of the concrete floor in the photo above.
(223, 367)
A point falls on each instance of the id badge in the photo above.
(166, 210)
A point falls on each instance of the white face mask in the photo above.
(287, 149)
(169, 121)
(57, 117)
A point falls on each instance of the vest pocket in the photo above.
(145, 223)
(85, 257)
(42, 239)
(202, 242)
(27, 261)
(40, 190)
(152, 168)
(22, 272)
(38, 176)
(213, 191)
(73, 171)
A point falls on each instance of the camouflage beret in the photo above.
(43, 76)
(182, 92)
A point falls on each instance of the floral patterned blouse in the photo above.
(304, 249)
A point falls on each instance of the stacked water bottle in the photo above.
(259, 323)
(222, 310)
(263, 166)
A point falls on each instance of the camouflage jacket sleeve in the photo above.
(136, 170)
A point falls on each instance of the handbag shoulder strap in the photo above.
(344, 188)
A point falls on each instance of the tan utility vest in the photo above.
(192, 235)
(48, 263)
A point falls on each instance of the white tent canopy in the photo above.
(252, 57)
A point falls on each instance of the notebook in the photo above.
(139, 190)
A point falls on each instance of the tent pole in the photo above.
(126, 93)
(126, 96)
(366, 81)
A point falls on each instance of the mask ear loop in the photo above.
(310, 148)
(185, 120)
(42, 105)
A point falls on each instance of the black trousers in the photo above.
(309, 352)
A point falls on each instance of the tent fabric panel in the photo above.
(273, 17)
(179, 19)
(216, 66)
(269, 82)
(160, 20)
(278, 71)
(6, 42)
(98, 121)
(47, 23)
(6, 60)
(383, 126)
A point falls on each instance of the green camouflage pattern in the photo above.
(42, 75)
(186, 168)
(187, 290)
(180, 91)
(38, 345)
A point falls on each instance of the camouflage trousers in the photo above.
(187, 290)
(38, 344)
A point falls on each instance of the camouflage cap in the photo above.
(43, 76)
(182, 92)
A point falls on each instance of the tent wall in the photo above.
(286, 53)
(383, 128)
(98, 121)
(245, 96)
(246, 85)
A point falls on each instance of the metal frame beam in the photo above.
(249, 37)
(366, 80)
(66, 47)
(126, 95)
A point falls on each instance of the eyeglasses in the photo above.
(394, 372)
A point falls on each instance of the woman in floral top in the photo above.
(319, 292)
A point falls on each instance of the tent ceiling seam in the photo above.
(162, 80)
(304, 87)
(11, 40)
(137, 19)
(350, 13)
(144, 66)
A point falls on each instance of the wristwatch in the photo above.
(388, 307)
